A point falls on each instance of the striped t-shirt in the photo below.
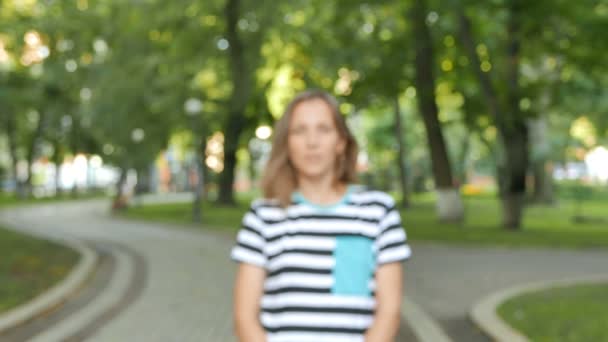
(320, 262)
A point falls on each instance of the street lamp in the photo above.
(193, 107)
(137, 135)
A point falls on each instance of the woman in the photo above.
(319, 258)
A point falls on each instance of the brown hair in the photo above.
(279, 178)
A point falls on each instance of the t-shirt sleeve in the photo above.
(250, 241)
(391, 243)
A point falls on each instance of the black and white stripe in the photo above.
(296, 247)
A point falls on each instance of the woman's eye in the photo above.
(297, 131)
(325, 129)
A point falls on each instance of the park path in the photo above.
(185, 295)
(184, 292)
(165, 283)
(447, 280)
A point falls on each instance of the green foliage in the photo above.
(136, 63)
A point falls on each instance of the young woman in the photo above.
(320, 259)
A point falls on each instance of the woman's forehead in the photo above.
(313, 111)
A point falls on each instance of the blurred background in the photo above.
(506, 97)
(481, 118)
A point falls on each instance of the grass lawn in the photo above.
(9, 199)
(214, 217)
(577, 313)
(28, 266)
(549, 226)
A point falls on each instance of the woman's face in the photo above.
(313, 140)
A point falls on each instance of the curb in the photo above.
(77, 326)
(484, 316)
(424, 327)
(57, 294)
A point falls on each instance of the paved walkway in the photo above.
(447, 280)
(186, 296)
(186, 293)
(183, 294)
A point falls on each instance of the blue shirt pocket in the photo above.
(354, 264)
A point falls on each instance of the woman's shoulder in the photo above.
(365, 195)
(267, 210)
(263, 203)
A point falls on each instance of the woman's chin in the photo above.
(313, 174)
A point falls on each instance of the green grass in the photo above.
(215, 217)
(28, 266)
(549, 226)
(9, 199)
(577, 313)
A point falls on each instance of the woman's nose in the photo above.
(312, 139)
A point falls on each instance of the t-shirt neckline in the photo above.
(300, 199)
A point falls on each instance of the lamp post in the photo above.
(193, 107)
(137, 136)
(259, 148)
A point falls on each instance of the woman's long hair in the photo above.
(279, 178)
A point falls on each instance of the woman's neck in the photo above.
(323, 191)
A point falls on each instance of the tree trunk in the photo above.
(543, 182)
(32, 152)
(142, 184)
(232, 133)
(485, 82)
(516, 169)
(513, 129)
(386, 179)
(198, 194)
(512, 206)
(251, 169)
(121, 182)
(57, 179)
(120, 201)
(199, 188)
(74, 191)
(541, 168)
(405, 202)
(238, 101)
(449, 204)
(203, 171)
(461, 176)
(418, 182)
(425, 84)
(11, 131)
(57, 159)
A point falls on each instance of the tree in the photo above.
(511, 123)
(449, 202)
(243, 59)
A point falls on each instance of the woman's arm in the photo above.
(248, 290)
(389, 294)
